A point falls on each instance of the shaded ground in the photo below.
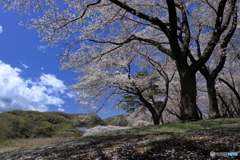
(193, 140)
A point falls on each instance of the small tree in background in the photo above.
(152, 96)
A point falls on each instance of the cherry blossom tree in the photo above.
(112, 79)
(210, 73)
(101, 33)
(228, 90)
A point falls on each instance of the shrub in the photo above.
(77, 134)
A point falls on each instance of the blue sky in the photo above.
(29, 71)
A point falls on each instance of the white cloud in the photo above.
(51, 80)
(71, 94)
(22, 94)
(42, 68)
(61, 109)
(41, 48)
(24, 65)
(1, 29)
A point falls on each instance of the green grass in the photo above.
(30, 142)
(178, 127)
(119, 120)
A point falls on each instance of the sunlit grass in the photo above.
(31, 142)
(179, 127)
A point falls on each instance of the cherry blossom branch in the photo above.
(153, 20)
(80, 17)
(232, 88)
(133, 37)
(186, 28)
(211, 7)
(215, 37)
(233, 11)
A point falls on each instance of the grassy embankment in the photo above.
(192, 140)
(118, 120)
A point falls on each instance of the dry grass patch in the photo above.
(19, 143)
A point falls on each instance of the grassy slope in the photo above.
(193, 140)
(51, 117)
(119, 120)
(27, 124)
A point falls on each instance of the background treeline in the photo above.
(33, 124)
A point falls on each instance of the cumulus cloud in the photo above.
(1, 29)
(55, 84)
(61, 109)
(24, 65)
(26, 94)
(42, 48)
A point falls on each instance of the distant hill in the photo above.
(86, 120)
(26, 124)
(33, 124)
(119, 120)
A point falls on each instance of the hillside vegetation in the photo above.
(33, 124)
(176, 140)
(119, 120)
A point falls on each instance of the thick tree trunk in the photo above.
(155, 119)
(212, 96)
(188, 104)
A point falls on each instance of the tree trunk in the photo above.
(155, 119)
(188, 104)
(160, 115)
(212, 96)
(151, 109)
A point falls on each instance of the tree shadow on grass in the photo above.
(180, 148)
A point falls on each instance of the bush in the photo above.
(4, 131)
(78, 134)
(64, 134)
